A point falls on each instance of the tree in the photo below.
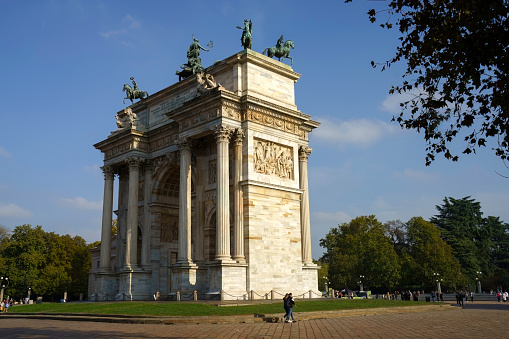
(357, 248)
(4, 233)
(431, 257)
(499, 249)
(396, 231)
(48, 263)
(464, 228)
(457, 73)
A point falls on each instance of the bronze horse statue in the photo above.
(133, 94)
(283, 52)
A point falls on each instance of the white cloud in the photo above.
(392, 102)
(361, 132)
(416, 175)
(109, 34)
(4, 153)
(94, 169)
(14, 211)
(133, 23)
(337, 217)
(82, 203)
(129, 24)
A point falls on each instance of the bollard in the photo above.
(310, 294)
(178, 295)
(96, 297)
(81, 297)
(252, 294)
(222, 295)
(106, 297)
(195, 295)
(272, 294)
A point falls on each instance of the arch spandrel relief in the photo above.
(169, 228)
(273, 159)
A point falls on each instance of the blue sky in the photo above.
(63, 64)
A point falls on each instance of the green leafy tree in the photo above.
(457, 75)
(469, 234)
(357, 248)
(24, 256)
(499, 249)
(429, 257)
(48, 263)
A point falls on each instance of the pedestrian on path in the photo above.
(285, 306)
(290, 303)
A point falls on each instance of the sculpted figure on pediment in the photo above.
(206, 83)
(127, 119)
(273, 159)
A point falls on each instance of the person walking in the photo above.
(290, 303)
(285, 306)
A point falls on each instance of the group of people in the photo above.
(502, 296)
(288, 304)
(437, 296)
(4, 305)
(409, 295)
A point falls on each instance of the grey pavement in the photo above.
(478, 320)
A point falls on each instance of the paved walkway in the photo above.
(478, 320)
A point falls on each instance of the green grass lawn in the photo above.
(197, 309)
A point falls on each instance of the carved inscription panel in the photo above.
(273, 159)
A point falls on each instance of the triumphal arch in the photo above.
(212, 188)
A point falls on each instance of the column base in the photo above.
(240, 259)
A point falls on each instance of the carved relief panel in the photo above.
(273, 159)
(169, 228)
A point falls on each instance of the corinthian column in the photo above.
(305, 225)
(238, 230)
(145, 242)
(131, 253)
(200, 151)
(105, 256)
(184, 231)
(222, 134)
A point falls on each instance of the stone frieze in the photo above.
(273, 159)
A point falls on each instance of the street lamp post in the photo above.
(438, 280)
(326, 285)
(361, 277)
(478, 281)
(4, 282)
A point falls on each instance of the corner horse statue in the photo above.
(281, 52)
(247, 34)
(133, 93)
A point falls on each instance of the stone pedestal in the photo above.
(229, 280)
(134, 285)
(106, 284)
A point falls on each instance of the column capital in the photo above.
(134, 163)
(239, 134)
(222, 132)
(304, 153)
(184, 143)
(108, 171)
